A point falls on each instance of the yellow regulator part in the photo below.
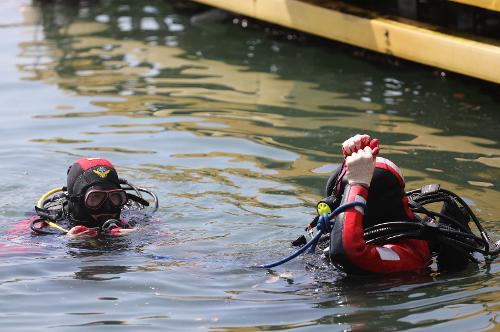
(53, 224)
(39, 204)
(47, 194)
(323, 208)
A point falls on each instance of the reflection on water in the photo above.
(146, 75)
(235, 126)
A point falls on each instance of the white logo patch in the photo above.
(387, 254)
(362, 200)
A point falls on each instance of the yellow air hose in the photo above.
(40, 205)
(47, 194)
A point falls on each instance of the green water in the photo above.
(236, 126)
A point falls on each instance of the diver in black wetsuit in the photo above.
(91, 203)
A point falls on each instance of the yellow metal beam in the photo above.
(474, 58)
(486, 4)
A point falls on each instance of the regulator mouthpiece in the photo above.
(109, 224)
(327, 205)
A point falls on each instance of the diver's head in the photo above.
(94, 192)
(386, 196)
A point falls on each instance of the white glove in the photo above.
(360, 166)
(355, 143)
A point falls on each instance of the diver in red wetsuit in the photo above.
(91, 203)
(379, 183)
(376, 227)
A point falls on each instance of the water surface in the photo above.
(236, 127)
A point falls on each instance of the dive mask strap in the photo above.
(75, 198)
(137, 199)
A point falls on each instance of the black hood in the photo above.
(86, 173)
(386, 196)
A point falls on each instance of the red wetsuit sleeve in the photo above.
(349, 251)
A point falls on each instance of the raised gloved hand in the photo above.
(358, 142)
(82, 231)
(360, 166)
